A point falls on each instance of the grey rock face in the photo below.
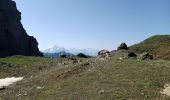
(13, 37)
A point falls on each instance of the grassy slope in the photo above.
(130, 79)
(158, 45)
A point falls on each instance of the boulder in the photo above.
(104, 53)
(13, 38)
(63, 56)
(82, 55)
(145, 56)
(132, 54)
(122, 46)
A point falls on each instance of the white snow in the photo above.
(166, 91)
(8, 81)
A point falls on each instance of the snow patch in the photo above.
(8, 81)
(166, 91)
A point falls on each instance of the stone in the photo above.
(2, 88)
(63, 56)
(75, 61)
(104, 53)
(101, 92)
(122, 46)
(82, 55)
(13, 37)
(86, 64)
(146, 56)
(39, 87)
(132, 54)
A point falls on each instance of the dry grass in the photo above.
(90, 79)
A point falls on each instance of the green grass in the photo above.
(22, 60)
(24, 65)
(119, 79)
(158, 45)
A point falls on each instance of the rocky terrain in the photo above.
(13, 38)
(138, 72)
(119, 74)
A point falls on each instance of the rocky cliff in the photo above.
(13, 38)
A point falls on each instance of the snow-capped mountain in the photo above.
(54, 49)
(75, 51)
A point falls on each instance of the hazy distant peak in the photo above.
(57, 49)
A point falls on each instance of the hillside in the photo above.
(158, 45)
(84, 79)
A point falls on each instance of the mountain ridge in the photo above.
(75, 51)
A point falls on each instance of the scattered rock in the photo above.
(102, 59)
(142, 93)
(40, 68)
(18, 95)
(71, 58)
(38, 88)
(2, 88)
(10, 65)
(146, 56)
(76, 61)
(122, 46)
(25, 94)
(63, 63)
(123, 58)
(104, 53)
(82, 55)
(101, 91)
(86, 64)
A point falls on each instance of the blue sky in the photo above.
(98, 24)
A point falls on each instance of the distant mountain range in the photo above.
(57, 51)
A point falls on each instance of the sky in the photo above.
(98, 24)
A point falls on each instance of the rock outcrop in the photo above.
(122, 46)
(146, 56)
(13, 38)
(104, 53)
